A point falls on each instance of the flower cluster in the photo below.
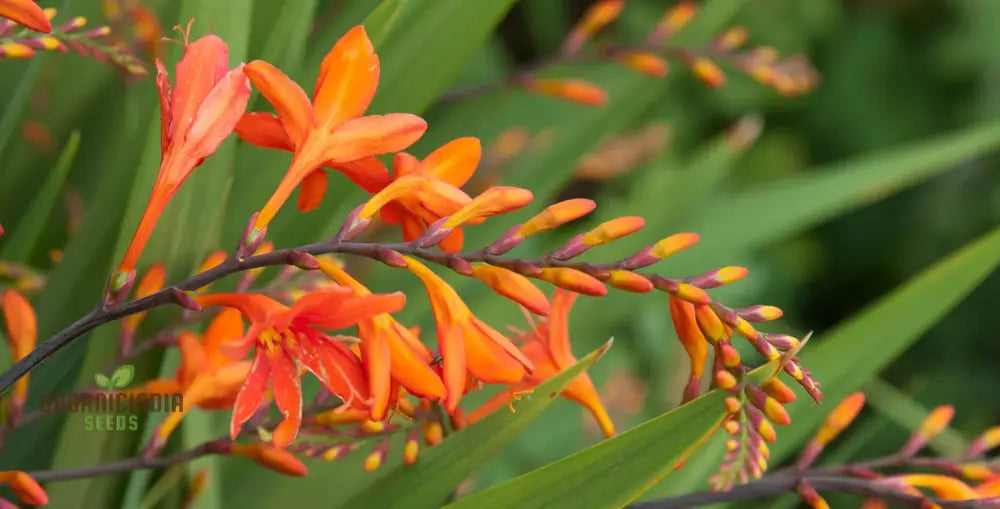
(96, 42)
(379, 376)
(971, 476)
(790, 76)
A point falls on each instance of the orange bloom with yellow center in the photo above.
(330, 130)
(207, 378)
(195, 117)
(391, 353)
(288, 336)
(468, 346)
(548, 347)
(25, 13)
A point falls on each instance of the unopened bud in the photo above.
(411, 447)
(183, 299)
(460, 265)
(629, 281)
(353, 225)
(390, 257)
(302, 260)
(932, 426)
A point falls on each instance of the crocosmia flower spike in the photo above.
(195, 117)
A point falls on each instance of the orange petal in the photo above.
(559, 345)
(453, 242)
(22, 325)
(25, 13)
(452, 347)
(289, 100)
(487, 361)
(514, 286)
(251, 394)
(373, 135)
(332, 310)
(412, 227)
(501, 341)
(271, 457)
(225, 327)
(404, 164)
(411, 369)
(368, 173)
(582, 391)
(287, 395)
(347, 80)
(377, 359)
(25, 487)
(454, 162)
(312, 190)
(254, 306)
(204, 63)
(840, 418)
(163, 87)
(347, 375)
(192, 357)
(218, 114)
(264, 130)
(498, 401)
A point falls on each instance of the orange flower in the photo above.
(468, 346)
(328, 131)
(22, 332)
(24, 486)
(423, 191)
(207, 378)
(25, 13)
(286, 336)
(195, 117)
(548, 347)
(390, 352)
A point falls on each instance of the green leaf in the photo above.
(616, 471)
(25, 236)
(102, 381)
(794, 204)
(122, 376)
(844, 358)
(903, 410)
(441, 468)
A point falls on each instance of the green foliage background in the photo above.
(855, 189)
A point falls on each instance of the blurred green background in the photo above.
(887, 166)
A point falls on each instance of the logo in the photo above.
(112, 407)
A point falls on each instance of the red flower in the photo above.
(288, 336)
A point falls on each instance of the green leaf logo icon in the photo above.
(102, 381)
(121, 377)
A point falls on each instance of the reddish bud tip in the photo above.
(304, 261)
(184, 299)
(390, 258)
